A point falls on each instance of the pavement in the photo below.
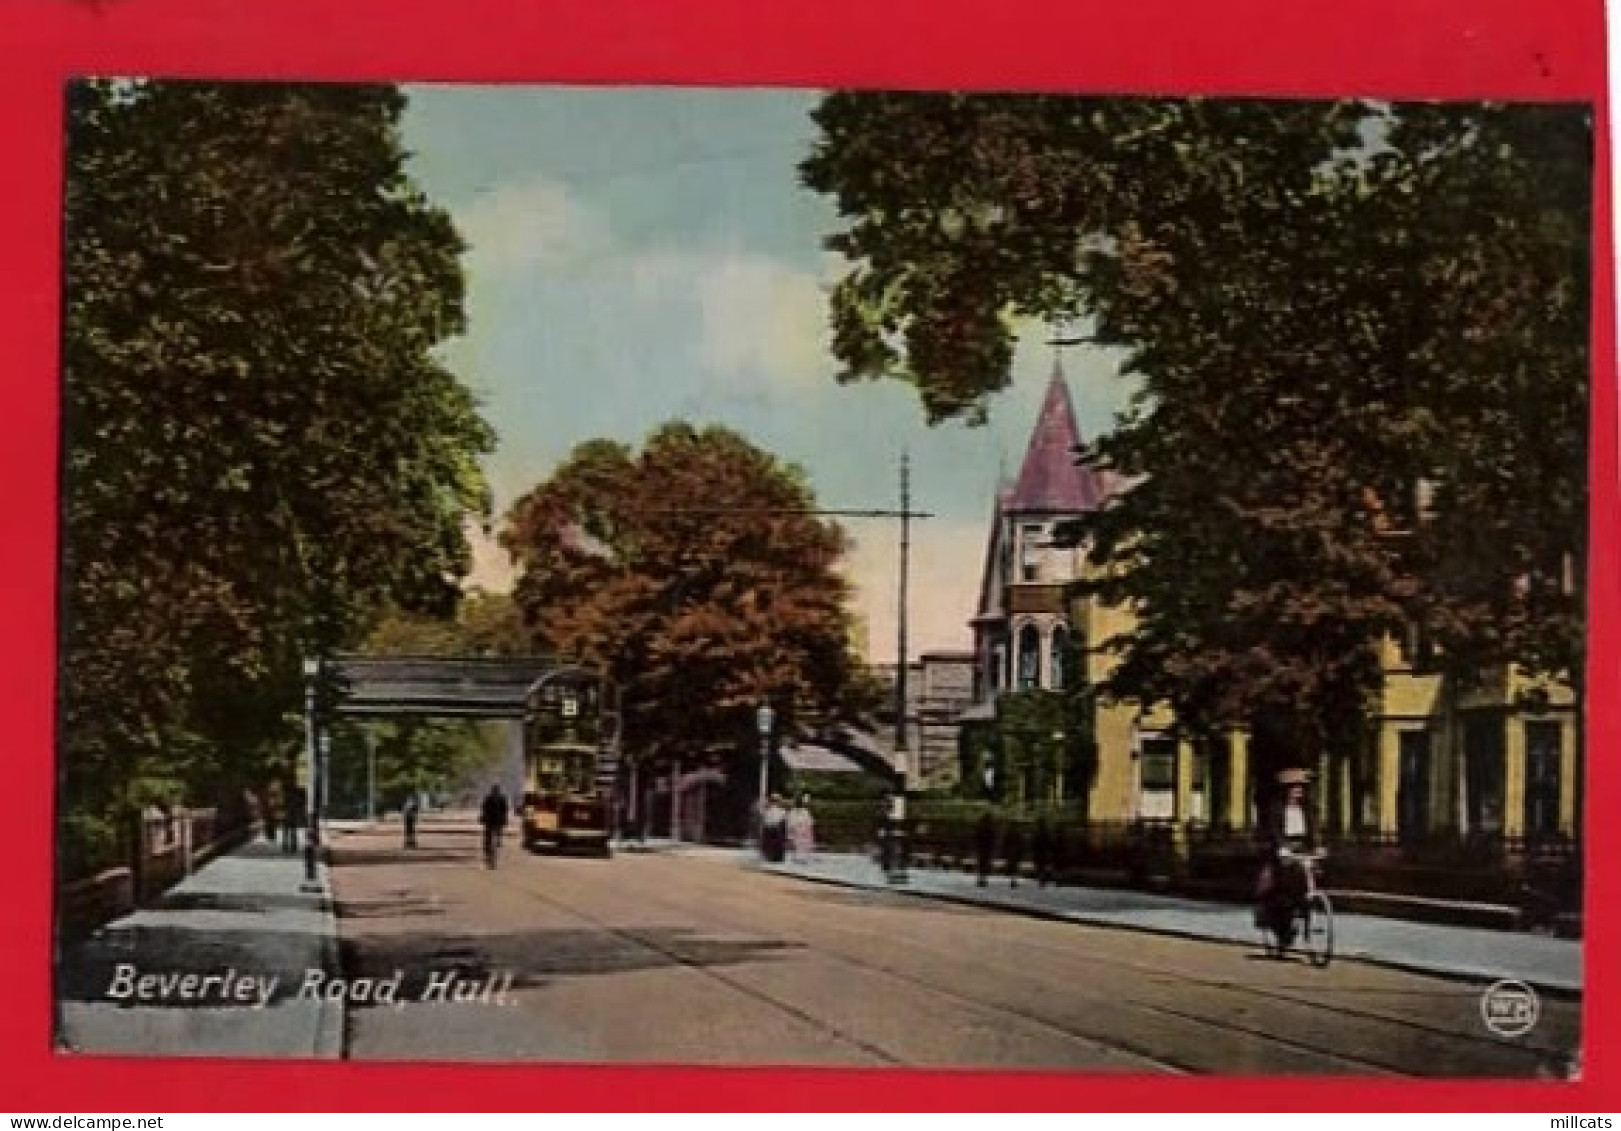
(1546, 963)
(227, 963)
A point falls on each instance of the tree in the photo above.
(260, 447)
(694, 575)
(1501, 553)
(482, 624)
(1325, 305)
(409, 754)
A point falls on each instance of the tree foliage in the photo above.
(260, 447)
(692, 573)
(1330, 309)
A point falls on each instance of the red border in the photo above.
(1553, 49)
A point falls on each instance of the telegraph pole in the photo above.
(905, 514)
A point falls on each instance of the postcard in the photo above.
(692, 573)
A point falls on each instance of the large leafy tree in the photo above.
(1325, 305)
(1500, 235)
(260, 447)
(694, 574)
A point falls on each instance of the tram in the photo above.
(569, 766)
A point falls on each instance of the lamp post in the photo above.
(321, 778)
(371, 776)
(1056, 764)
(763, 720)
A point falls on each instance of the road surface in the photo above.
(688, 957)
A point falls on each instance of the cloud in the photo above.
(493, 569)
(529, 223)
(757, 318)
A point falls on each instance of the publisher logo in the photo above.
(1510, 1008)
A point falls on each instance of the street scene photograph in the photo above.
(773, 577)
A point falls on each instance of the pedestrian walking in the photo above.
(271, 806)
(1013, 851)
(492, 815)
(292, 822)
(985, 845)
(774, 831)
(408, 813)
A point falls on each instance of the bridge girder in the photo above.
(442, 686)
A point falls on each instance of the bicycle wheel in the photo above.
(1317, 929)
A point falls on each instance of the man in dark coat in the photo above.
(409, 812)
(493, 816)
(293, 816)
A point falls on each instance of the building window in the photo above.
(1215, 766)
(1031, 539)
(1159, 764)
(1543, 742)
(1056, 674)
(1029, 658)
(1483, 741)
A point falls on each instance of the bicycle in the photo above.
(1299, 910)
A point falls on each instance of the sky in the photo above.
(642, 254)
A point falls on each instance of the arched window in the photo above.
(1029, 657)
(1057, 658)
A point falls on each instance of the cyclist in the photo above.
(493, 816)
(1289, 828)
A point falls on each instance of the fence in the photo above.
(165, 848)
(1540, 879)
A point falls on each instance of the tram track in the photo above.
(1137, 1051)
(1441, 1043)
(1131, 1013)
(1526, 1050)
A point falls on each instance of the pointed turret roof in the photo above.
(1050, 482)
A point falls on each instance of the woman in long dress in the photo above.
(801, 831)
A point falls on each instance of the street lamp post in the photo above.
(763, 720)
(371, 776)
(323, 777)
(312, 813)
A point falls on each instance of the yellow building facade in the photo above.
(1500, 758)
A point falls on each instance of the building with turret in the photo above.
(1494, 757)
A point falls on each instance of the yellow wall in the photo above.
(1238, 806)
(1411, 700)
(1408, 700)
(1114, 790)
